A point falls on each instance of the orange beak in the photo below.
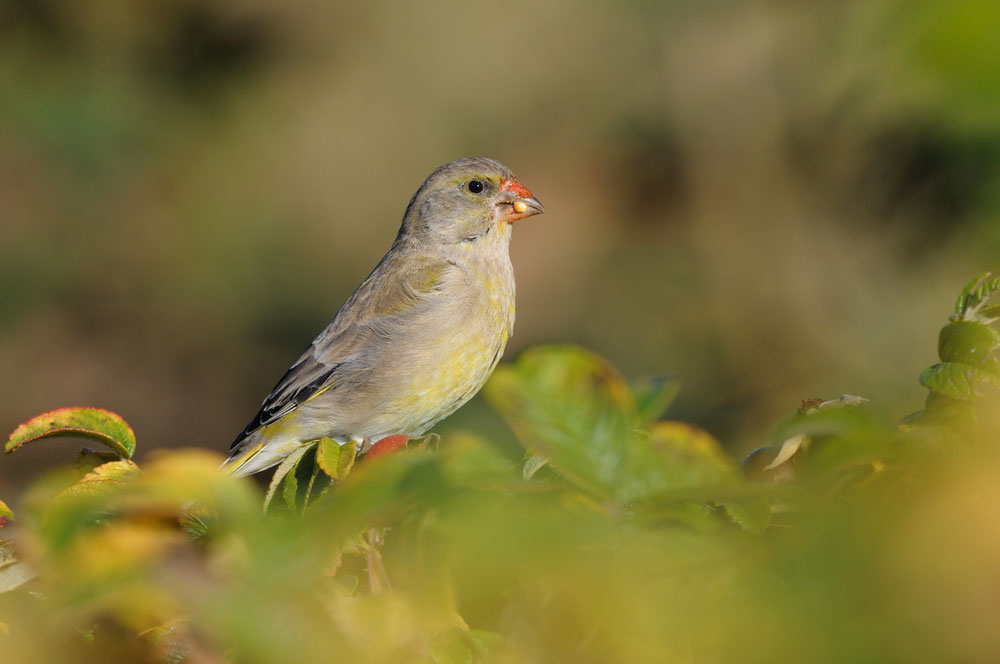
(517, 202)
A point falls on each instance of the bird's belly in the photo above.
(444, 357)
(451, 374)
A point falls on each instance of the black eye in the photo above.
(476, 187)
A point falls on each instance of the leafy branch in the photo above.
(619, 524)
(967, 348)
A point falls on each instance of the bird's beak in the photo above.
(517, 202)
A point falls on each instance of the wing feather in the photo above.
(387, 299)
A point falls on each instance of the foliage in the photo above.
(966, 346)
(95, 423)
(621, 536)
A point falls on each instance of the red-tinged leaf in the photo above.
(5, 513)
(96, 424)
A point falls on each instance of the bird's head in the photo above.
(466, 200)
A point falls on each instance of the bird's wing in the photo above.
(390, 297)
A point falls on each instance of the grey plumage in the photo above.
(418, 337)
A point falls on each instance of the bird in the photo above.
(421, 334)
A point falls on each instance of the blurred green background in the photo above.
(770, 200)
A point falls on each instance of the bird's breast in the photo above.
(461, 344)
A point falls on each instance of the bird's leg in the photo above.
(378, 579)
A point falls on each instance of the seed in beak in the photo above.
(520, 206)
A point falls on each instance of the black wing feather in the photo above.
(282, 401)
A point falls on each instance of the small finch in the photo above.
(418, 338)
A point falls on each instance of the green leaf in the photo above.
(653, 396)
(334, 459)
(914, 419)
(974, 295)
(89, 459)
(106, 477)
(450, 648)
(86, 501)
(572, 407)
(989, 314)
(195, 525)
(689, 515)
(958, 417)
(290, 486)
(172, 480)
(468, 461)
(957, 380)
(284, 468)
(861, 449)
(678, 458)
(462, 645)
(96, 424)
(484, 640)
(970, 343)
(299, 482)
(752, 514)
(170, 640)
(532, 465)
(836, 417)
(348, 583)
(317, 484)
(821, 445)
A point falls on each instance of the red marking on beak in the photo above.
(513, 186)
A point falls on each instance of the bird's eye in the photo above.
(476, 186)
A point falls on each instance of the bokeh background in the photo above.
(770, 200)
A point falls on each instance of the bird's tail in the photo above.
(252, 455)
